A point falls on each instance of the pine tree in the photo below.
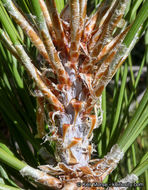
(79, 55)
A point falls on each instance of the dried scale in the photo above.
(83, 54)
